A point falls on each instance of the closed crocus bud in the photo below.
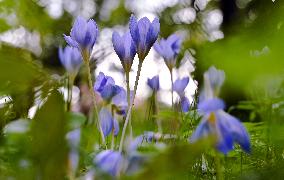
(154, 83)
(144, 34)
(169, 49)
(83, 34)
(125, 49)
(108, 123)
(70, 58)
(111, 162)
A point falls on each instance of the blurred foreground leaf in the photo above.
(17, 71)
(49, 148)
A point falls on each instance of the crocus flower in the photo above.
(154, 83)
(70, 58)
(169, 49)
(125, 49)
(144, 34)
(111, 162)
(179, 87)
(216, 122)
(105, 85)
(83, 34)
(73, 139)
(120, 101)
(108, 122)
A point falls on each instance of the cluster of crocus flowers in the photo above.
(140, 38)
(216, 122)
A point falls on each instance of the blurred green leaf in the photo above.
(48, 145)
(75, 120)
(17, 71)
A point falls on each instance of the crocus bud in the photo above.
(125, 49)
(144, 34)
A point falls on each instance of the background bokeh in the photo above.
(242, 37)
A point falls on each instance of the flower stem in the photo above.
(112, 133)
(219, 175)
(70, 82)
(128, 100)
(172, 91)
(90, 82)
(131, 105)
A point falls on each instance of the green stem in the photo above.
(90, 82)
(219, 174)
(112, 134)
(131, 105)
(70, 83)
(172, 91)
(128, 100)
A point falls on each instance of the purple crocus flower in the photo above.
(179, 87)
(169, 49)
(108, 123)
(125, 49)
(154, 83)
(70, 58)
(111, 162)
(120, 101)
(144, 34)
(83, 34)
(215, 121)
(105, 85)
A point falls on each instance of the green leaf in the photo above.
(75, 120)
(48, 143)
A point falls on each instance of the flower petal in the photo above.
(118, 45)
(71, 42)
(211, 105)
(185, 104)
(180, 84)
(153, 33)
(106, 121)
(134, 29)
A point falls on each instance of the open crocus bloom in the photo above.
(216, 122)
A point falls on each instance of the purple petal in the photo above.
(154, 83)
(118, 45)
(106, 121)
(238, 131)
(153, 33)
(211, 105)
(134, 29)
(110, 161)
(71, 42)
(185, 104)
(180, 84)
(116, 127)
(79, 30)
